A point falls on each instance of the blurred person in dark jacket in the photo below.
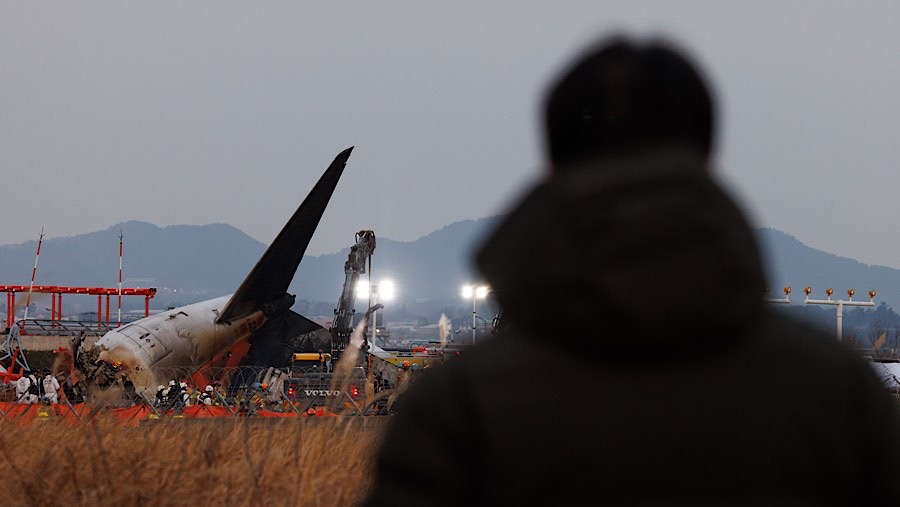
(633, 281)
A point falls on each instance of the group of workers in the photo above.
(179, 394)
(40, 388)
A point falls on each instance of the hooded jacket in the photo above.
(640, 366)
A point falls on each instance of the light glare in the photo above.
(362, 289)
(385, 290)
(477, 292)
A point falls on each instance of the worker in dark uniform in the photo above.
(160, 399)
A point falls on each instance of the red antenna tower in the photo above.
(13, 350)
(119, 316)
(33, 272)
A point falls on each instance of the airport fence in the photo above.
(212, 392)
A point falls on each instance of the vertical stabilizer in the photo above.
(270, 278)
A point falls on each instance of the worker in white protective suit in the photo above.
(27, 388)
(183, 395)
(206, 397)
(51, 387)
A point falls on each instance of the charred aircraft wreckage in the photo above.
(252, 327)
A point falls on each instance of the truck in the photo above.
(311, 382)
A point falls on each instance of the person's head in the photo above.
(621, 96)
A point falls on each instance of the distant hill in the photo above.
(186, 263)
(791, 263)
(191, 263)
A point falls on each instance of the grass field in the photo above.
(245, 461)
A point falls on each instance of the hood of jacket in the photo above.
(638, 253)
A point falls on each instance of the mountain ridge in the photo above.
(188, 263)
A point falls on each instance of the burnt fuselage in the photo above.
(176, 342)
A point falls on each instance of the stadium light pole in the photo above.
(839, 303)
(384, 290)
(476, 293)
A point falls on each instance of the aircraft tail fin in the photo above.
(270, 278)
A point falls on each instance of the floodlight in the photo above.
(385, 290)
(362, 289)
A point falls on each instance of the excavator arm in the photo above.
(360, 255)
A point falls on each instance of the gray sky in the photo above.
(191, 112)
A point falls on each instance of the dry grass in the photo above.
(211, 461)
(308, 461)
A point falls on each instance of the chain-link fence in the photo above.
(213, 392)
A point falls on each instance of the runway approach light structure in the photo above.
(839, 304)
(786, 299)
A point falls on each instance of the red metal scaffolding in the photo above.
(58, 290)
